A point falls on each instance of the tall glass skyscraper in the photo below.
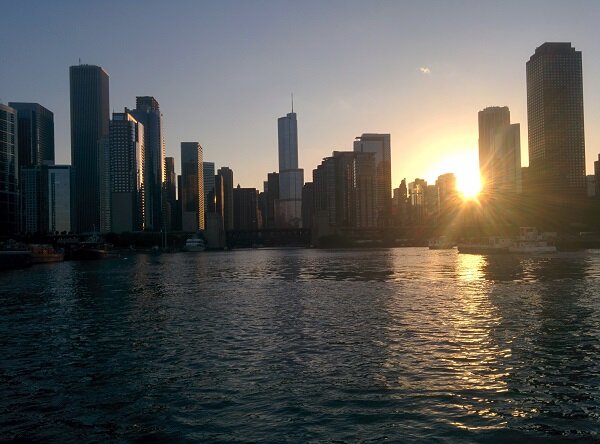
(89, 133)
(9, 171)
(291, 178)
(36, 134)
(192, 187)
(555, 120)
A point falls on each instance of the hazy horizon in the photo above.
(223, 73)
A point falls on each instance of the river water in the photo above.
(302, 345)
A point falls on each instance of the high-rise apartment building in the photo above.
(226, 182)
(192, 187)
(147, 112)
(291, 178)
(89, 132)
(499, 151)
(380, 145)
(127, 182)
(9, 171)
(555, 120)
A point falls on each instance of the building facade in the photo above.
(555, 120)
(291, 178)
(380, 145)
(192, 187)
(89, 131)
(226, 182)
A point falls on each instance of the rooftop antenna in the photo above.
(80, 60)
(292, 102)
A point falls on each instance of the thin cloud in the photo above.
(425, 70)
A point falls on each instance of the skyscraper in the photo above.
(36, 134)
(9, 171)
(555, 120)
(89, 130)
(291, 178)
(147, 112)
(192, 187)
(126, 147)
(209, 186)
(59, 198)
(499, 150)
(227, 205)
(379, 144)
(170, 193)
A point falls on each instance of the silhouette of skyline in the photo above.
(420, 72)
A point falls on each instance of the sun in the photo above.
(468, 183)
(465, 166)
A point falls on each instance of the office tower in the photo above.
(379, 144)
(227, 206)
(147, 112)
(400, 205)
(245, 208)
(89, 130)
(344, 190)
(170, 193)
(597, 174)
(308, 192)
(416, 196)
(499, 151)
(59, 188)
(446, 189)
(36, 148)
(291, 178)
(272, 198)
(590, 181)
(36, 134)
(192, 182)
(555, 121)
(209, 186)
(127, 198)
(9, 171)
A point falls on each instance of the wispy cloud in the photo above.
(425, 70)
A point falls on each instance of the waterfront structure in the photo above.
(555, 121)
(36, 134)
(147, 112)
(499, 151)
(344, 190)
(9, 171)
(226, 180)
(291, 178)
(170, 194)
(208, 170)
(380, 145)
(245, 209)
(192, 187)
(127, 181)
(89, 131)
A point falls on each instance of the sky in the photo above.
(223, 72)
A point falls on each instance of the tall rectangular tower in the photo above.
(192, 183)
(36, 134)
(380, 144)
(9, 171)
(89, 130)
(226, 206)
(555, 119)
(291, 178)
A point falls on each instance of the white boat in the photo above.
(530, 242)
(441, 243)
(194, 244)
(490, 245)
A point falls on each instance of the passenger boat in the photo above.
(441, 243)
(530, 242)
(194, 244)
(492, 245)
(42, 253)
(92, 248)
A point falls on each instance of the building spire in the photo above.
(292, 102)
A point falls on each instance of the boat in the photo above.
(491, 245)
(194, 244)
(43, 253)
(441, 243)
(531, 242)
(92, 248)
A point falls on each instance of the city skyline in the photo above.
(424, 93)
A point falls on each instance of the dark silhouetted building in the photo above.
(272, 199)
(308, 191)
(209, 186)
(227, 206)
(147, 112)
(36, 134)
(597, 174)
(89, 131)
(380, 145)
(555, 121)
(499, 151)
(192, 181)
(9, 171)
(127, 182)
(245, 208)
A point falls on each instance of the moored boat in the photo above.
(441, 243)
(194, 244)
(530, 242)
(42, 253)
(491, 245)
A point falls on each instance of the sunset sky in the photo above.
(223, 72)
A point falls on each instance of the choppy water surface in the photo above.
(301, 345)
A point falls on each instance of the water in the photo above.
(302, 345)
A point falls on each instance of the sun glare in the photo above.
(468, 183)
(465, 166)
